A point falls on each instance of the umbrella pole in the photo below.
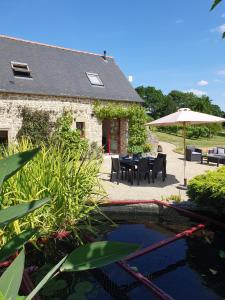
(184, 137)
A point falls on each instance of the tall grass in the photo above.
(70, 179)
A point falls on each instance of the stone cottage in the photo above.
(51, 78)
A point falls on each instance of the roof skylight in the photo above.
(94, 79)
(21, 70)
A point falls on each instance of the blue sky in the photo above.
(169, 44)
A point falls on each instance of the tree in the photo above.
(215, 3)
(153, 99)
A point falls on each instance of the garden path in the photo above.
(159, 190)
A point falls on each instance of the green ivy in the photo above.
(137, 119)
(36, 125)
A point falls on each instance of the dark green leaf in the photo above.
(10, 165)
(84, 287)
(15, 244)
(223, 36)
(45, 279)
(11, 279)
(17, 211)
(76, 296)
(221, 254)
(53, 286)
(98, 254)
(215, 3)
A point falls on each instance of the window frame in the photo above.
(23, 68)
(82, 130)
(89, 74)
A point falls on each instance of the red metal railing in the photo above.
(165, 242)
(140, 277)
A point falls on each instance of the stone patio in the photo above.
(159, 190)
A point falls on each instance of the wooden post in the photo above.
(108, 137)
(184, 137)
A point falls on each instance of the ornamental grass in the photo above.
(70, 179)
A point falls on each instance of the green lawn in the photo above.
(199, 143)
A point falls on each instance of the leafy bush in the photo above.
(147, 148)
(70, 180)
(137, 131)
(197, 132)
(209, 190)
(169, 129)
(66, 137)
(36, 126)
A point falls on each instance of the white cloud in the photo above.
(179, 21)
(196, 92)
(221, 72)
(202, 83)
(223, 16)
(220, 29)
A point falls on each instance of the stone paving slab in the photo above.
(159, 190)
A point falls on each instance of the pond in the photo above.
(190, 268)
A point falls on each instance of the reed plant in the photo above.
(70, 178)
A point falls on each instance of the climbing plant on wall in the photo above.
(36, 125)
(137, 118)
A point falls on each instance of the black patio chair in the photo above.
(158, 166)
(143, 170)
(164, 161)
(137, 156)
(193, 154)
(117, 168)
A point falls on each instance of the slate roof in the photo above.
(61, 72)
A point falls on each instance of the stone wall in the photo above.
(11, 104)
(123, 135)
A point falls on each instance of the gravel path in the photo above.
(159, 190)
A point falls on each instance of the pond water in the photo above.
(190, 268)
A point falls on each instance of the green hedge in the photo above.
(208, 190)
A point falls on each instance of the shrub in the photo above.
(197, 131)
(36, 126)
(169, 129)
(66, 137)
(147, 148)
(209, 190)
(70, 180)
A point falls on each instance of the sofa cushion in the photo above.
(221, 151)
(194, 152)
(215, 149)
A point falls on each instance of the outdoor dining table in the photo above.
(134, 161)
(132, 164)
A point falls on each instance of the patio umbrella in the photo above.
(185, 116)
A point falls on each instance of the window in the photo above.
(81, 127)
(21, 70)
(94, 79)
(3, 137)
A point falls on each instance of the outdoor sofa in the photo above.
(216, 155)
(193, 154)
